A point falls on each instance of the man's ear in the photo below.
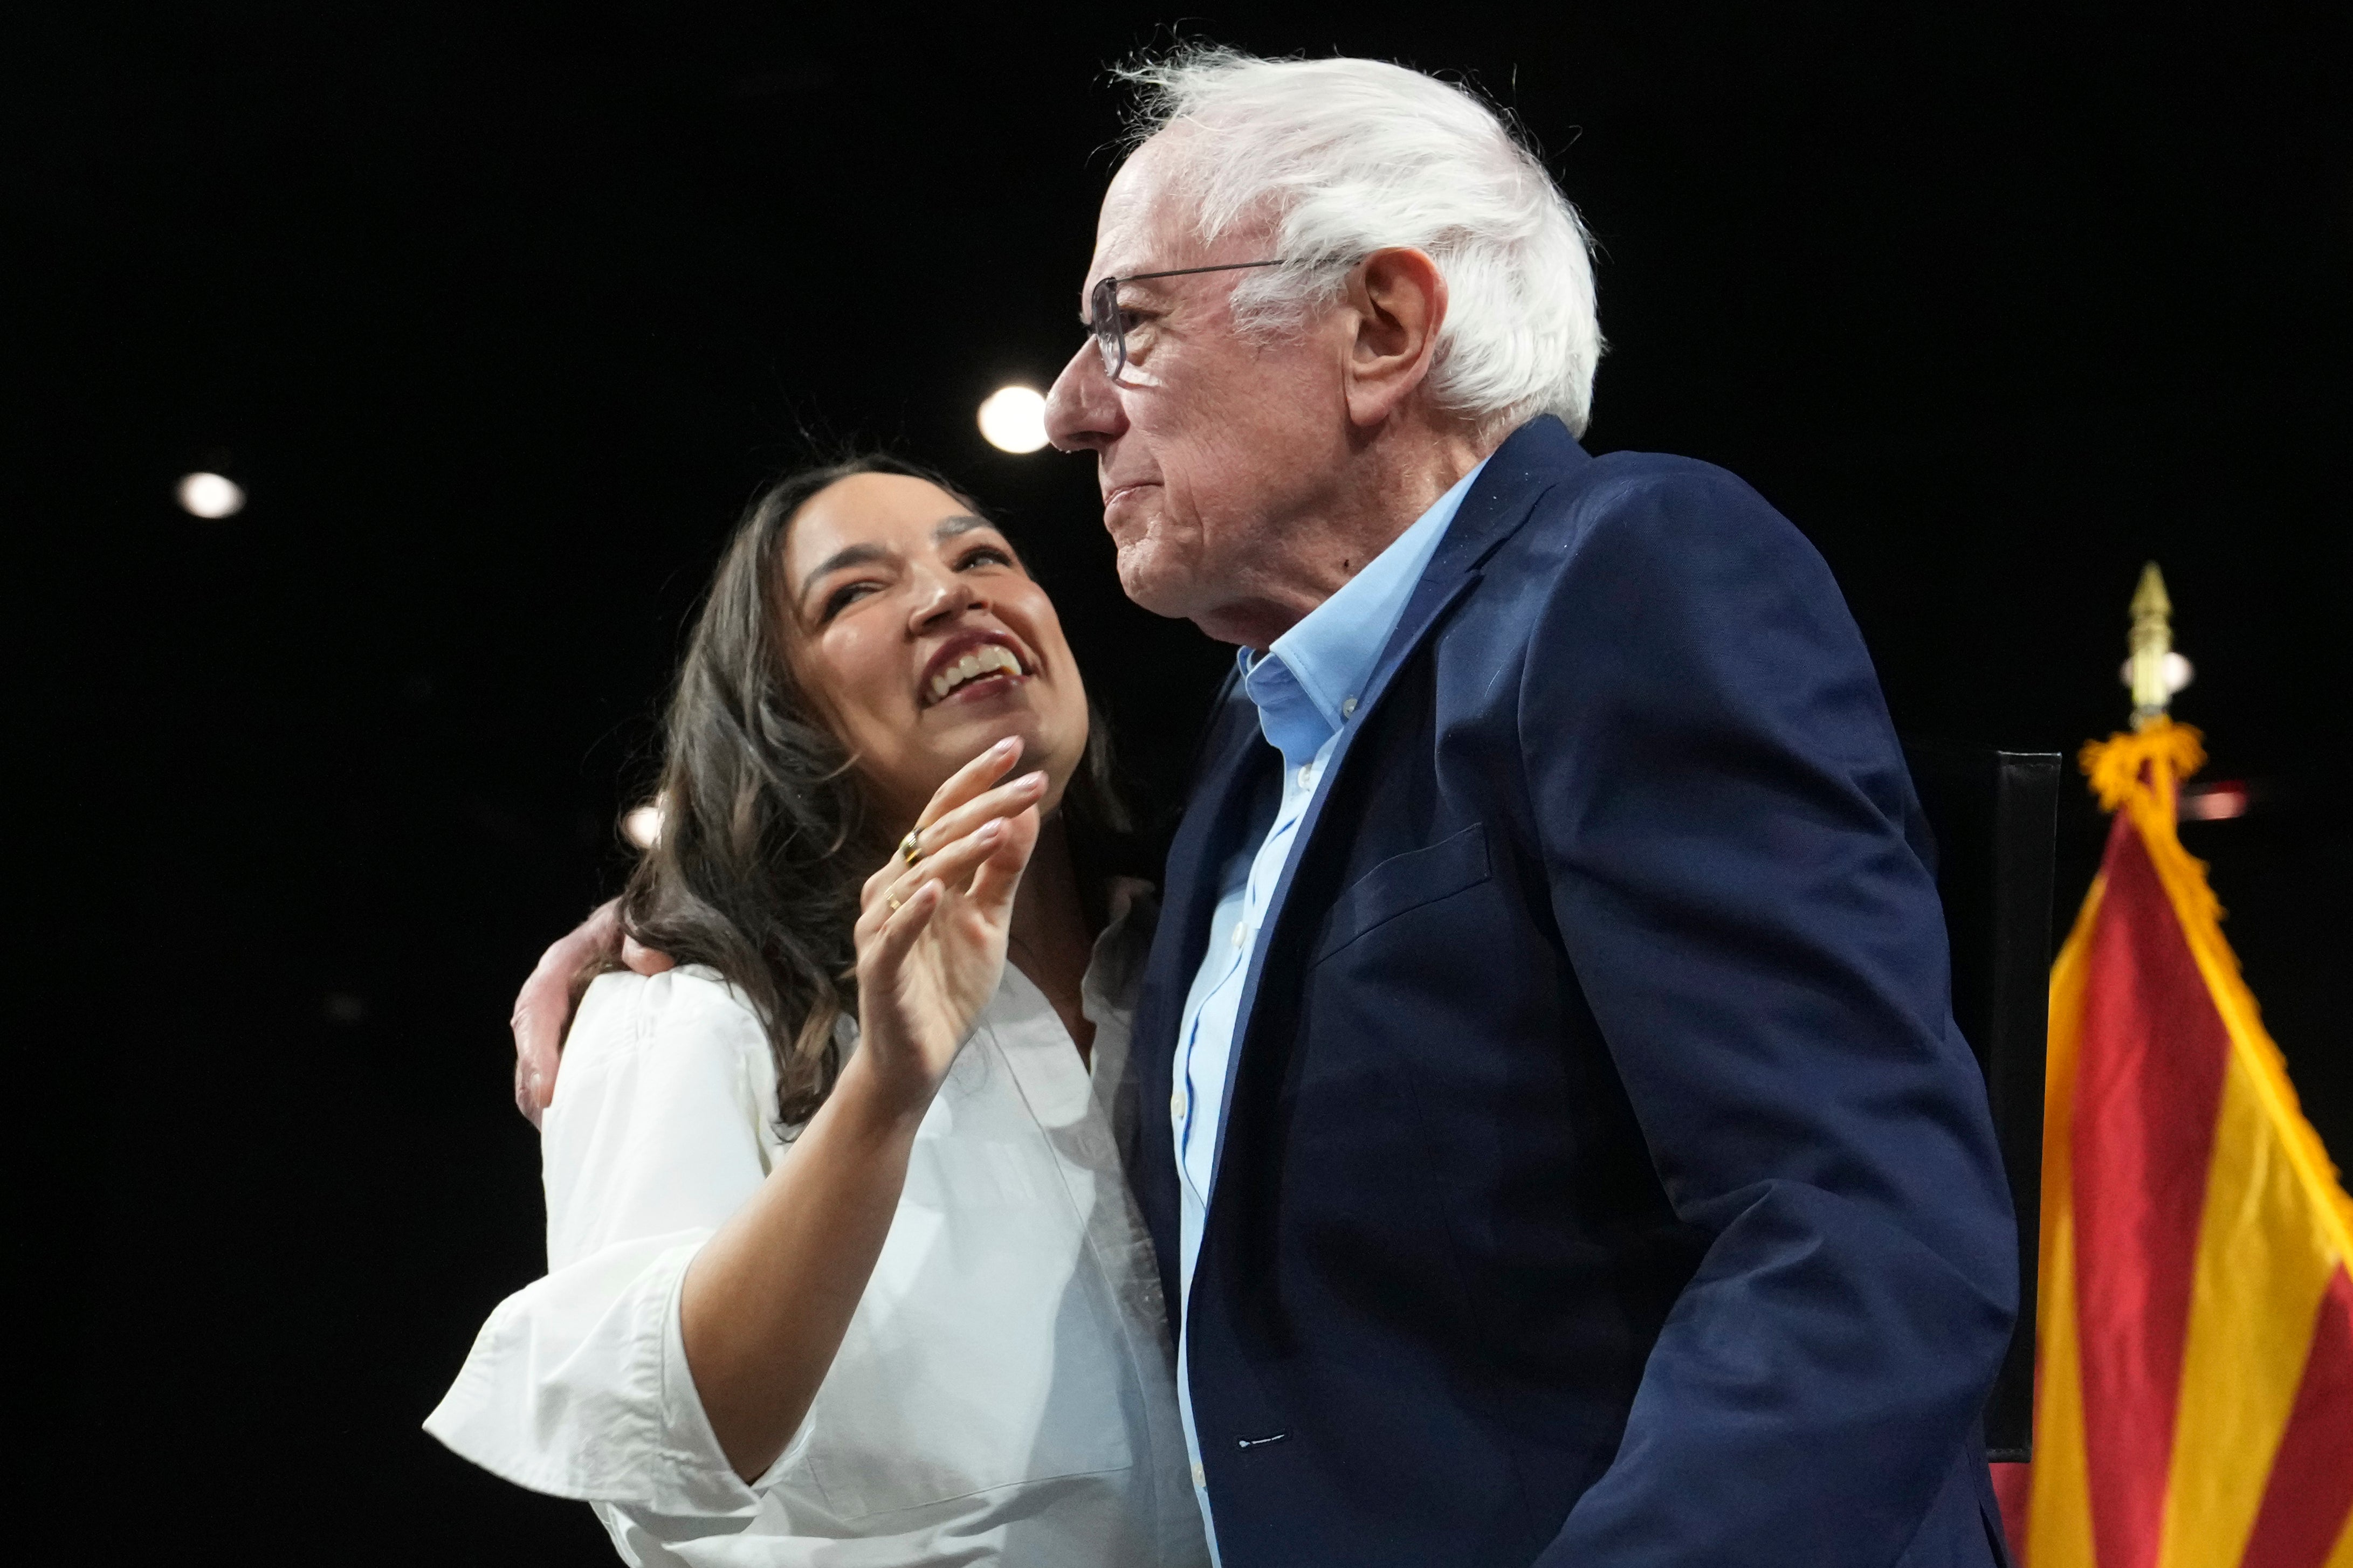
(1399, 298)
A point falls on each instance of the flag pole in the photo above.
(2153, 672)
(2147, 648)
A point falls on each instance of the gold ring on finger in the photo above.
(910, 849)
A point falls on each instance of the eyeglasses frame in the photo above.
(1103, 306)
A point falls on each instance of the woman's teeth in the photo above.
(980, 662)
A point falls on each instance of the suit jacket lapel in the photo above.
(1216, 816)
(1234, 763)
(1528, 463)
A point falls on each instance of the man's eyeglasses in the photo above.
(1108, 323)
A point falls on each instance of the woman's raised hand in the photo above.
(931, 935)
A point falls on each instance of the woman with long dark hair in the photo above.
(839, 1245)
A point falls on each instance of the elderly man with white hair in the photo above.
(1556, 1134)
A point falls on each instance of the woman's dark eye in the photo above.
(987, 556)
(841, 598)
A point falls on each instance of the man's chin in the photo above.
(1152, 581)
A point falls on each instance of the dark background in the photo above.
(501, 315)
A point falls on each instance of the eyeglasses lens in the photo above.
(1104, 310)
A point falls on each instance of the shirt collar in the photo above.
(1307, 684)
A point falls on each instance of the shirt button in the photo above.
(1348, 707)
(1201, 1476)
(1238, 935)
(1307, 776)
(1176, 1106)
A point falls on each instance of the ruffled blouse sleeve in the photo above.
(660, 1129)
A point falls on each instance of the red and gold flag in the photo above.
(2194, 1364)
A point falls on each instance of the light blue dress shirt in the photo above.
(1306, 686)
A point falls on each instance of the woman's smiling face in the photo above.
(922, 640)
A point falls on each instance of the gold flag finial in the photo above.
(2154, 671)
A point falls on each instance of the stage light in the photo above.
(1014, 419)
(643, 826)
(2215, 802)
(210, 495)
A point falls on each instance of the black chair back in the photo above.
(1995, 819)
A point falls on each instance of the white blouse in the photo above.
(1006, 1392)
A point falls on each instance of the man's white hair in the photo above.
(1348, 156)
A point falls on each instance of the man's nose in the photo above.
(1082, 410)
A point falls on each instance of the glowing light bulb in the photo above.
(1014, 419)
(210, 495)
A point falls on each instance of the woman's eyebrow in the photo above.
(944, 532)
(865, 554)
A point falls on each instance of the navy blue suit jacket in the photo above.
(1604, 1183)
